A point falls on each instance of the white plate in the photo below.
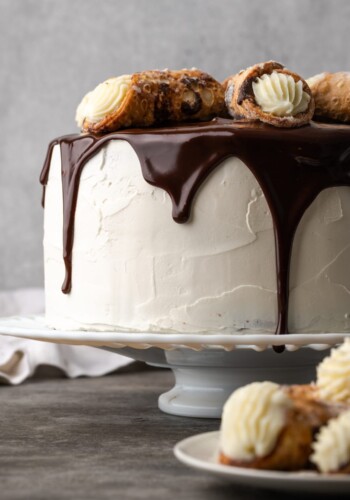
(34, 327)
(200, 452)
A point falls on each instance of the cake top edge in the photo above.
(266, 92)
(238, 126)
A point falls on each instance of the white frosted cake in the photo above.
(212, 267)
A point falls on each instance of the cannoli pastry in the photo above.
(262, 428)
(331, 449)
(309, 402)
(331, 92)
(270, 93)
(150, 98)
(333, 375)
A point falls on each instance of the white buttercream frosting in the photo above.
(135, 269)
(103, 100)
(279, 94)
(332, 444)
(252, 420)
(333, 375)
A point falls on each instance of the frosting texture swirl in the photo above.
(280, 95)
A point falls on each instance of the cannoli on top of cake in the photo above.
(151, 98)
(331, 92)
(270, 93)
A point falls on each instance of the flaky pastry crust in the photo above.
(317, 411)
(157, 97)
(303, 420)
(291, 451)
(331, 92)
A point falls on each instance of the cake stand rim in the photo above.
(33, 327)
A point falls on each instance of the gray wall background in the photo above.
(52, 52)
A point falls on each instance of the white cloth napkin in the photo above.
(19, 358)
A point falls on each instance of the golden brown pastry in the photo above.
(263, 428)
(308, 400)
(151, 98)
(331, 92)
(291, 451)
(270, 93)
(272, 427)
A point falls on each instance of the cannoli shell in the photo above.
(331, 92)
(157, 97)
(291, 451)
(303, 420)
(308, 402)
(241, 104)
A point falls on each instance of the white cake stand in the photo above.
(207, 368)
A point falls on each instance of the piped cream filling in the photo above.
(333, 375)
(332, 445)
(103, 100)
(279, 94)
(252, 420)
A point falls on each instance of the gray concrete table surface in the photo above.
(101, 438)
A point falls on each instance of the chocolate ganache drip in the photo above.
(292, 167)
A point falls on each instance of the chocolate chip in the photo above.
(193, 105)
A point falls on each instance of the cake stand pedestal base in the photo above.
(205, 379)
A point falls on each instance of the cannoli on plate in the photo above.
(150, 98)
(268, 426)
(262, 428)
(270, 93)
(331, 92)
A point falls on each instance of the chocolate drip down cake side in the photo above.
(190, 206)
